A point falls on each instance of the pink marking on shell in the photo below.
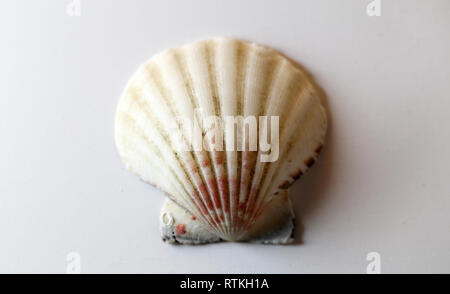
(219, 159)
(240, 221)
(247, 166)
(193, 168)
(234, 194)
(248, 161)
(215, 193)
(200, 203)
(205, 196)
(223, 188)
(234, 183)
(180, 229)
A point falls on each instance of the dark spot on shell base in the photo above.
(285, 185)
(310, 162)
(318, 149)
(297, 175)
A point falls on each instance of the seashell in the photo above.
(187, 122)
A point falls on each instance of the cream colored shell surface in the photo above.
(227, 191)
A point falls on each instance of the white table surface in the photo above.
(381, 185)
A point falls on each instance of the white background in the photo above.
(381, 185)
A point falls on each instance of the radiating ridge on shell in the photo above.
(185, 124)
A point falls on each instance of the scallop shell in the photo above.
(217, 190)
